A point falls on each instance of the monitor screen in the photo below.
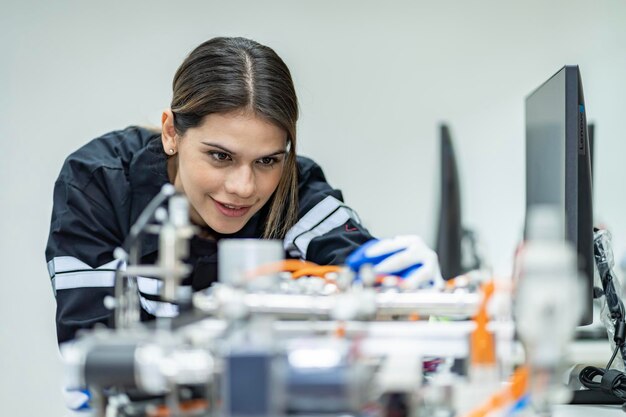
(558, 170)
(450, 230)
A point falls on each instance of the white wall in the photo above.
(374, 79)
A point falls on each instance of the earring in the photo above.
(172, 151)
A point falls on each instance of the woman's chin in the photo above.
(225, 229)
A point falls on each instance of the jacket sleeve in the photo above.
(83, 234)
(327, 230)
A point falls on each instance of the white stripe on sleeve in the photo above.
(83, 279)
(322, 218)
(314, 216)
(68, 272)
(150, 286)
(158, 308)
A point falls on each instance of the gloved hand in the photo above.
(405, 256)
(77, 400)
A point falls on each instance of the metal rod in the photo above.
(296, 305)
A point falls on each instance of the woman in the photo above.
(228, 142)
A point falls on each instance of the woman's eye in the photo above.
(220, 156)
(267, 161)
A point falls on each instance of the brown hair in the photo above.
(227, 74)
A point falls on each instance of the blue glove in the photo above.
(77, 399)
(407, 257)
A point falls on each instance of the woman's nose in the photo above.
(240, 182)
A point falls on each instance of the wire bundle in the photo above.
(612, 381)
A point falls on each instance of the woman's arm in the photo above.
(327, 230)
(83, 234)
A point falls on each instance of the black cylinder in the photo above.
(107, 366)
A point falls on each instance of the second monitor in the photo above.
(558, 168)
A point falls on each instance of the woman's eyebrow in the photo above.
(215, 145)
(281, 152)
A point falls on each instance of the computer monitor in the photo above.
(450, 230)
(558, 168)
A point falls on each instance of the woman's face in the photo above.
(228, 167)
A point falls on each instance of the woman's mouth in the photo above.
(230, 210)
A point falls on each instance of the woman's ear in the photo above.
(168, 133)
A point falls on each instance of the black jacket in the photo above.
(105, 185)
